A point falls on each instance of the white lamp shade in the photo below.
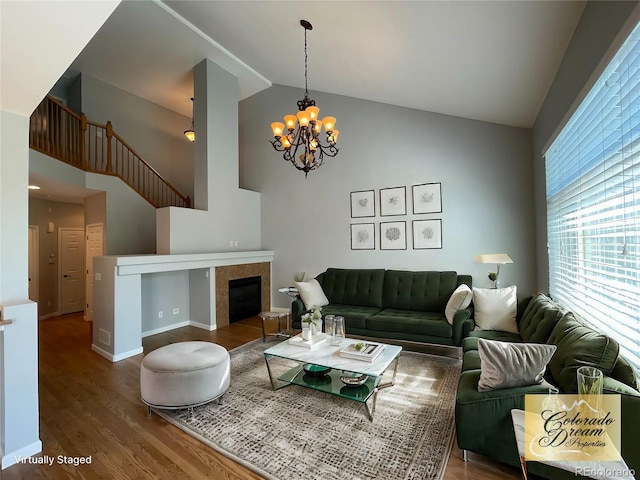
(498, 258)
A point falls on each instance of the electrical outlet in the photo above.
(176, 311)
(206, 274)
(97, 276)
(160, 314)
(231, 243)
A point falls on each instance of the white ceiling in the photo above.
(484, 60)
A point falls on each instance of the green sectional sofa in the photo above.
(393, 304)
(483, 419)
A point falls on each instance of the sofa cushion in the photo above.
(578, 346)
(471, 342)
(423, 323)
(353, 286)
(624, 372)
(418, 291)
(506, 365)
(495, 308)
(311, 294)
(354, 316)
(459, 300)
(471, 360)
(539, 318)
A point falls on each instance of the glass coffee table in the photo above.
(289, 364)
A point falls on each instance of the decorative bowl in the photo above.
(317, 381)
(353, 379)
(315, 370)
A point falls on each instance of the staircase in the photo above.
(58, 132)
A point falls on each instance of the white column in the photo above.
(19, 429)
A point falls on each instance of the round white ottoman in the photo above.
(184, 375)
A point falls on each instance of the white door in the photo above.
(71, 257)
(34, 246)
(94, 249)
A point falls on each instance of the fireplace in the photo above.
(245, 298)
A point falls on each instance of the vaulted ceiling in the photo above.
(485, 60)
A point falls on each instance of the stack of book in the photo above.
(365, 351)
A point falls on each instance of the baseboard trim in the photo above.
(21, 454)
(118, 357)
(49, 315)
(203, 326)
(166, 328)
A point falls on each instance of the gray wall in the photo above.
(600, 24)
(485, 170)
(162, 292)
(41, 212)
(155, 132)
(130, 220)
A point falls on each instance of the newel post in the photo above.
(83, 136)
(109, 135)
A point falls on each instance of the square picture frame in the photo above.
(363, 236)
(427, 234)
(393, 235)
(363, 204)
(427, 198)
(393, 201)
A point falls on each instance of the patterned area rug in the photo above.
(296, 432)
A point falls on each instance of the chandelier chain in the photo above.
(306, 88)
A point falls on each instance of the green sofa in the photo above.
(483, 419)
(393, 304)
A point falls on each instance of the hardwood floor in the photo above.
(91, 407)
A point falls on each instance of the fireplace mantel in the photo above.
(117, 328)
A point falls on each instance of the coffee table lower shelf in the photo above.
(330, 383)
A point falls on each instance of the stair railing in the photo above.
(59, 132)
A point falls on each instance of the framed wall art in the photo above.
(393, 201)
(427, 234)
(363, 204)
(427, 198)
(393, 235)
(363, 236)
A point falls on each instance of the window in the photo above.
(593, 204)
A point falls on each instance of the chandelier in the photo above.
(301, 143)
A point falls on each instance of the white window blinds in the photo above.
(593, 204)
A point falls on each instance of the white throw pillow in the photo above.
(460, 299)
(495, 308)
(312, 294)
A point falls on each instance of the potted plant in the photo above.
(311, 323)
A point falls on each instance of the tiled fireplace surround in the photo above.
(234, 272)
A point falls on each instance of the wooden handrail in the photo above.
(59, 132)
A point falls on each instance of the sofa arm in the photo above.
(297, 309)
(463, 323)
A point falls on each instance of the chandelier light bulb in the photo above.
(329, 123)
(313, 112)
(290, 121)
(277, 128)
(303, 118)
(317, 127)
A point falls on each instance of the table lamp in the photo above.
(498, 259)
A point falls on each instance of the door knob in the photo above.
(65, 275)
